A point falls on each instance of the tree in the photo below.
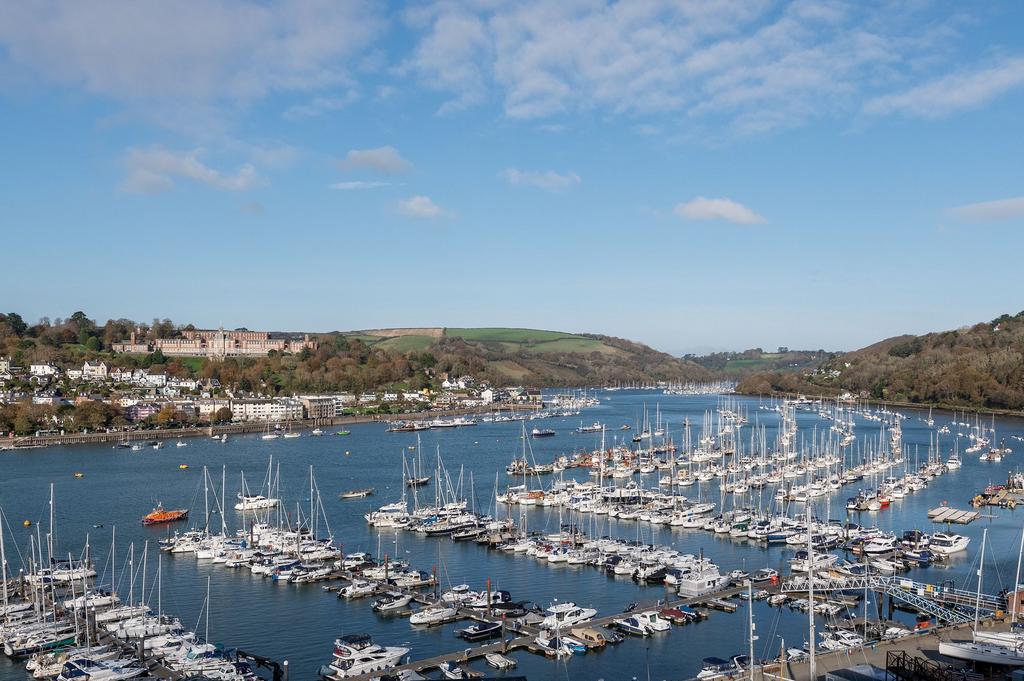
(166, 416)
(15, 322)
(23, 423)
(223, 415)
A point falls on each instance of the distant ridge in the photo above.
(536, 356)
(980, 366)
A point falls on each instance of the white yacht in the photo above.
(433, 615)
(255, 502)
(983, 651)
(948, 543)
(565, 615)
(357, 654)
(701, 582)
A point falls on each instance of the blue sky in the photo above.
(696, 176)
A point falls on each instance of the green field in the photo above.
(193, 363)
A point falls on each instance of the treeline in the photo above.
(755, 359)
(981, 366)
(341, 363)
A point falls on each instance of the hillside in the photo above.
(356, 361)
(536, 357)
(981, 366)
(740, 364)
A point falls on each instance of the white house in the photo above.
(74, 374)
(182, 383)
(95, 371)
(367, 398)
(41, 370)
(390, 397)
(119, 375)
(487, 395)
(155, 380)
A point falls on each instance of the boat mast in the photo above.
(811, 662)
(3, 564)
(1016, 581)
(981, 572)
(750, 624)
(206, 502)
(51, 543)
(113, 560)
(223, 501)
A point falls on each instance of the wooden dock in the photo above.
(947, 514)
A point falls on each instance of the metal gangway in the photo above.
(942, 601)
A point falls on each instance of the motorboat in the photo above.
(358, 588)
(654, 621)
(433, 615)
(255, 502)
(357, 654)
(499, 661)
(946, 543)
(480, 631)
(715, 667)
(563, 615)
(632, 625)
(391, 601)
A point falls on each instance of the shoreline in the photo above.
(27, 442)
(892, 403)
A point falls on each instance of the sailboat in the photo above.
(269, 434)
(982, 649)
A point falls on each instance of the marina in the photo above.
(638, 551)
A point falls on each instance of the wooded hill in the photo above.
(504, 356)
(359, 361)
(980, 366)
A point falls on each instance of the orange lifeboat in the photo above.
(159, 515)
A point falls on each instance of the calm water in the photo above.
(299, 623)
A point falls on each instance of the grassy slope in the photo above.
(538, 356)
(410, 343)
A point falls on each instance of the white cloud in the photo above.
(701, 208)
(359, 184)
(752, 65)
(991, 211)
(382, 159)
(420, 207)
(155, 169)
(319, 106)
(221, 50)
(549, 179)
(952, 93)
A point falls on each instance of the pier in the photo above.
(947, 514)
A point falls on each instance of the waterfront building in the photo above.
(318, 407)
